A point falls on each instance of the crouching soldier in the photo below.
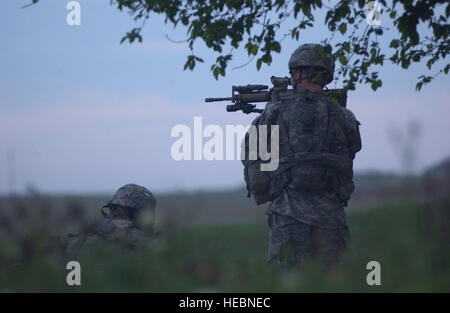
(118, 226)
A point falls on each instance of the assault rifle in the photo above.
(242, 96)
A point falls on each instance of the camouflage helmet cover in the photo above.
(307, 55)
(134, 197)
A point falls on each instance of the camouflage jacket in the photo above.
(318, 142)
(119, 231)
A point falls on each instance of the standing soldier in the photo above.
(119, 226)
(313, 182)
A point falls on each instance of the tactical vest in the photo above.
(314, 153)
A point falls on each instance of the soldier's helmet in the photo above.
(133, 198)
(309, 55)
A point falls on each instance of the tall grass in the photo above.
(410, 241)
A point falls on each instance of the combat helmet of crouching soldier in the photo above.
(129, 200)
(120, 226)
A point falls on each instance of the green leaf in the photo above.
(405, 63)
(294, 32)
(258, 63)
(216, 71)
(346, 47)
(446, 68)
(376, 84)
(342, 59)
(419, 86)
(364, 66)
(254, 49)
(394, 43)
(343, 28)
(267, 58)
(276, 46)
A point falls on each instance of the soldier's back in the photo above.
(306, 197)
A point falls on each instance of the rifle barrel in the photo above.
(218, 99)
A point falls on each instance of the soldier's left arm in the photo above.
(352, 132)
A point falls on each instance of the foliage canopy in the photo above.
(257, 26)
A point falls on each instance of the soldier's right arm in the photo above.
(74, 247)
(100, 227)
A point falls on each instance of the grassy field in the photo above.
(410, 240)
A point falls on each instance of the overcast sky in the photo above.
(81, 113)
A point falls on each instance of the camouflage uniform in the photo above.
(318, 142)
(120, 229)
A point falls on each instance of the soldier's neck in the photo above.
(307, 85)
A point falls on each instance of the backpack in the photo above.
(328, 167)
